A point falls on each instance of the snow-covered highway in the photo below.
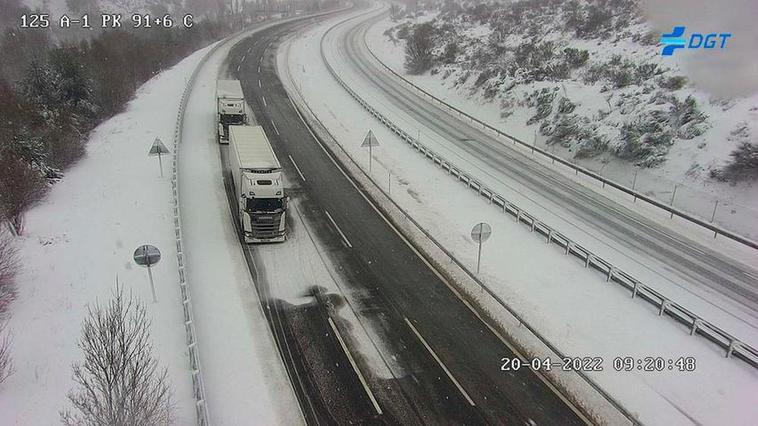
(573, 307)
(595, 221)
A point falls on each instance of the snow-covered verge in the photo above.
(243, 373)
(81, 239)
(596, 109)
(573, 307)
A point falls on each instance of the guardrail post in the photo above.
(611, 270)
(587, 260)
(518, 215)
(634, 290)
(550, 235)
(568, 247)
(672, 201)
(664, 304)
(695, 326)
(733, 346)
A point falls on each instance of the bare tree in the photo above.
(120, 382)
(20, 188)
(6, 365)
(8, 267)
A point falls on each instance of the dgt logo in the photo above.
(675, 40)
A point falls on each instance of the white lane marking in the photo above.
(439, 361)
(243, 57)
(439, 275)
(338, 229)
(355, 367)
(264, 101)
(297, 168)
(259, 83)
(238, 67)
(259, 69)
(275, 129)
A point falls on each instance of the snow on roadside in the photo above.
(687, 161)
(703, 299)
(245, 379)
(81, 238)
(573, 306)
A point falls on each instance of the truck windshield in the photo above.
(232, 119)
(264, 204)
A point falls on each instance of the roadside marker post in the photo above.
(370, 141)
(480, 233)
(158, 149)
(147, 255)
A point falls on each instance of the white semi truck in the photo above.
(230, 107)
(257, 177)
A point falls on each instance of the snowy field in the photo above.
(81, 238)
(573, 306)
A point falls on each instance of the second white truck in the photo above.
(230, 107)
(257, 177)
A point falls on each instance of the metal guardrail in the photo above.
(311, 119)
(717, 230)
(198, 385)
(665, 306)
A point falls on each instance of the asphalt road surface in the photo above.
(692, 261)
(451, 358)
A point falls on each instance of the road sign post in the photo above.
(370, 141)
(147, 255)
(480, 233)
(158, 149)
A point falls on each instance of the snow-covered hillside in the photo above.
(80, 238)
(585, 79)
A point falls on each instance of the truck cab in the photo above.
(262, 207)
(257, 178)
(230, 107)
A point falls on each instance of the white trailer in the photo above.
(230, 107)
(257, 177)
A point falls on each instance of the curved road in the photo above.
(586, 208)
(450, 359)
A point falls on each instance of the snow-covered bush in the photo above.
(418, 49)
(645, 140)
(543, 102)
(450, 54)
(565, 131)
(743, 166)
(672, 83)
(119, 382)
(576, 57)
(565, 106)
(592, 147)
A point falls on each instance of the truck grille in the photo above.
(266, 226)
